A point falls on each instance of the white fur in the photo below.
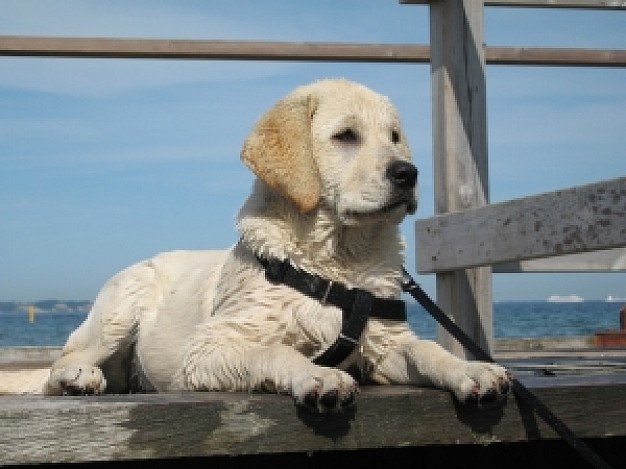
(211, 321)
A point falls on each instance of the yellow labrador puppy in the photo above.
(306, 300)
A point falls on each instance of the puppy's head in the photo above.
(337, 143)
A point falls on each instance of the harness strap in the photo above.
(351, 330)
(357, 305)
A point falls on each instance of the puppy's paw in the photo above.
(326, 390)
(77, 380)
(481, 383)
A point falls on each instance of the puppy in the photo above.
(305, 301)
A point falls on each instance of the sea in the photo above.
(512, 319)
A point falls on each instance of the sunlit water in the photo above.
(512, 319)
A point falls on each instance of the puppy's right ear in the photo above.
(279, 151)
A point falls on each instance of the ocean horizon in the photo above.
(511, 319)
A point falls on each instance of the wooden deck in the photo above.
(39, 430)
(584, 387)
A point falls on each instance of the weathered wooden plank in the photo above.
(460, 156)
(587, 4)
(585, 218)
(546, 56)
(94, 47)
(609, 260)
(148, 426)
(98, 47)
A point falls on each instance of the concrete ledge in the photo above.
(542, 343)
(28, 357)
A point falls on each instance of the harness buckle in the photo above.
(349, 339)
(325, 296)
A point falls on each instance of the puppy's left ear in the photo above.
(279, 151)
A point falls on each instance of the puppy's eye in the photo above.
(395, 136)
(346, 136)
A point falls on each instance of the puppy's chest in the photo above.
(283, 314)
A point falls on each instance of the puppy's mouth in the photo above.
(401, 206)
(409, 204)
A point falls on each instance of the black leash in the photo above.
(521, 392)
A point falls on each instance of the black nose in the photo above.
(402, 174)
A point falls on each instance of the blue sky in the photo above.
(106, 162)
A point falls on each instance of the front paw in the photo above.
(481, 383)
(326, 390)
(77, 380)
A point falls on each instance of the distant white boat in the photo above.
(565, 299)
(611, 298)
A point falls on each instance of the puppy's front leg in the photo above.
(424, 362)
(274, 368)
(281, 368)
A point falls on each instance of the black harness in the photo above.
(357, 305)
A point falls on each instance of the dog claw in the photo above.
(490, 397)
(349, 400)
(505, 387)
(310, 400)
(329, 400)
